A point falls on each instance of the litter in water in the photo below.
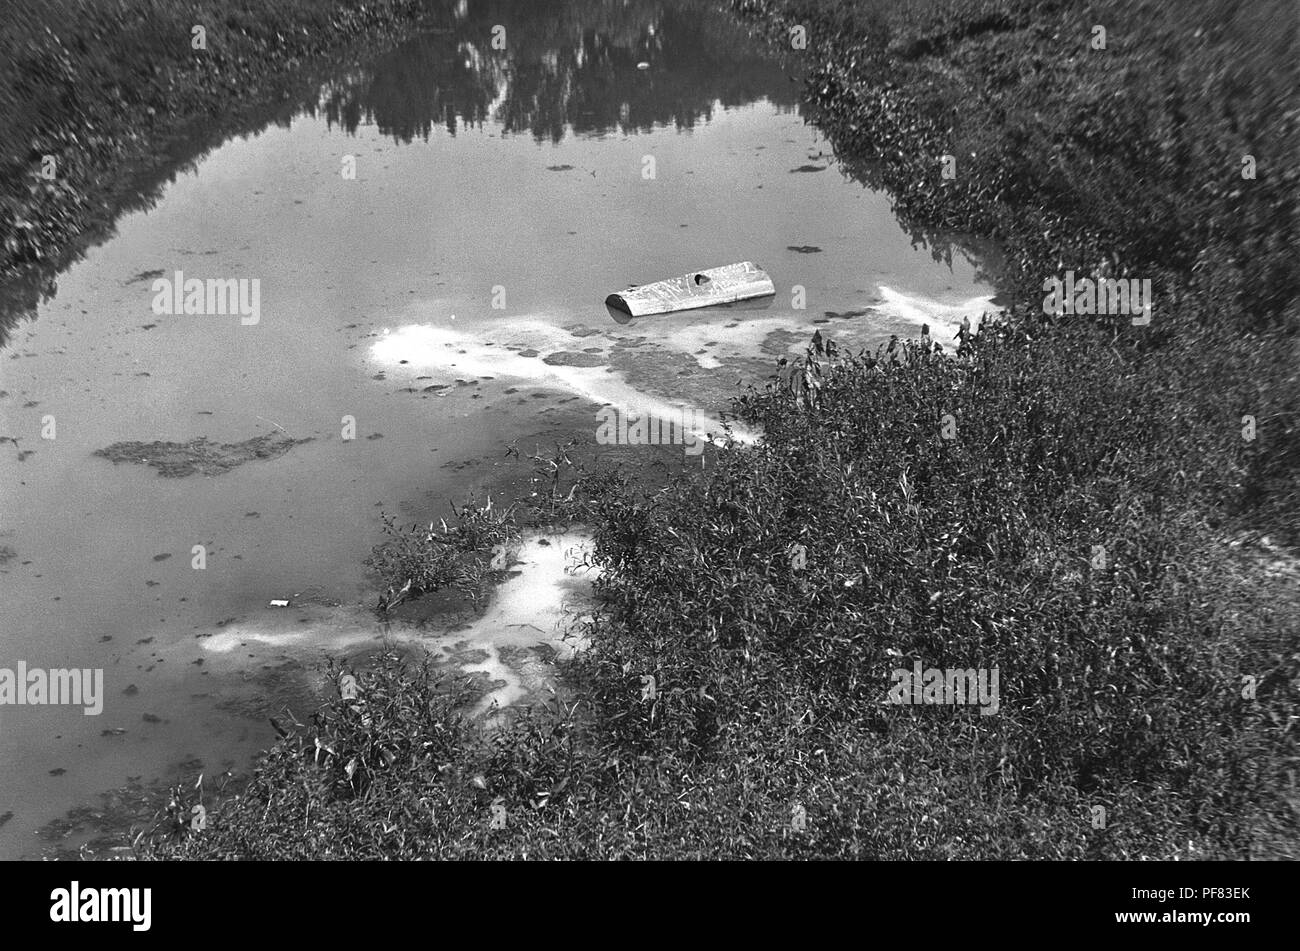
(719, 285)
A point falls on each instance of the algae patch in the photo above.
(199, 456)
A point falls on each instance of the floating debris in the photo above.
(570, 358)
(719, 285)
(199, 456)
(145, 276)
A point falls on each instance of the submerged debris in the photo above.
(570, 358)
(176, 460)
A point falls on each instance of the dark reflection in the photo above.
(568, 66)
(618, 314)
(983, 254)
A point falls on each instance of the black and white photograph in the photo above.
(762, 432)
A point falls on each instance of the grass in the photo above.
(1070, 500)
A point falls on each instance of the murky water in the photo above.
(448, 299)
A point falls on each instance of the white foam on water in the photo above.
(452, 353)
(943, 319)
(552, 586)
(541, 603)
(734, 334)
(744, 340)
(478, 349)
(544, 600)
(331, 629)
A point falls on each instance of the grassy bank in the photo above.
(103, 99)
(1069, 500)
